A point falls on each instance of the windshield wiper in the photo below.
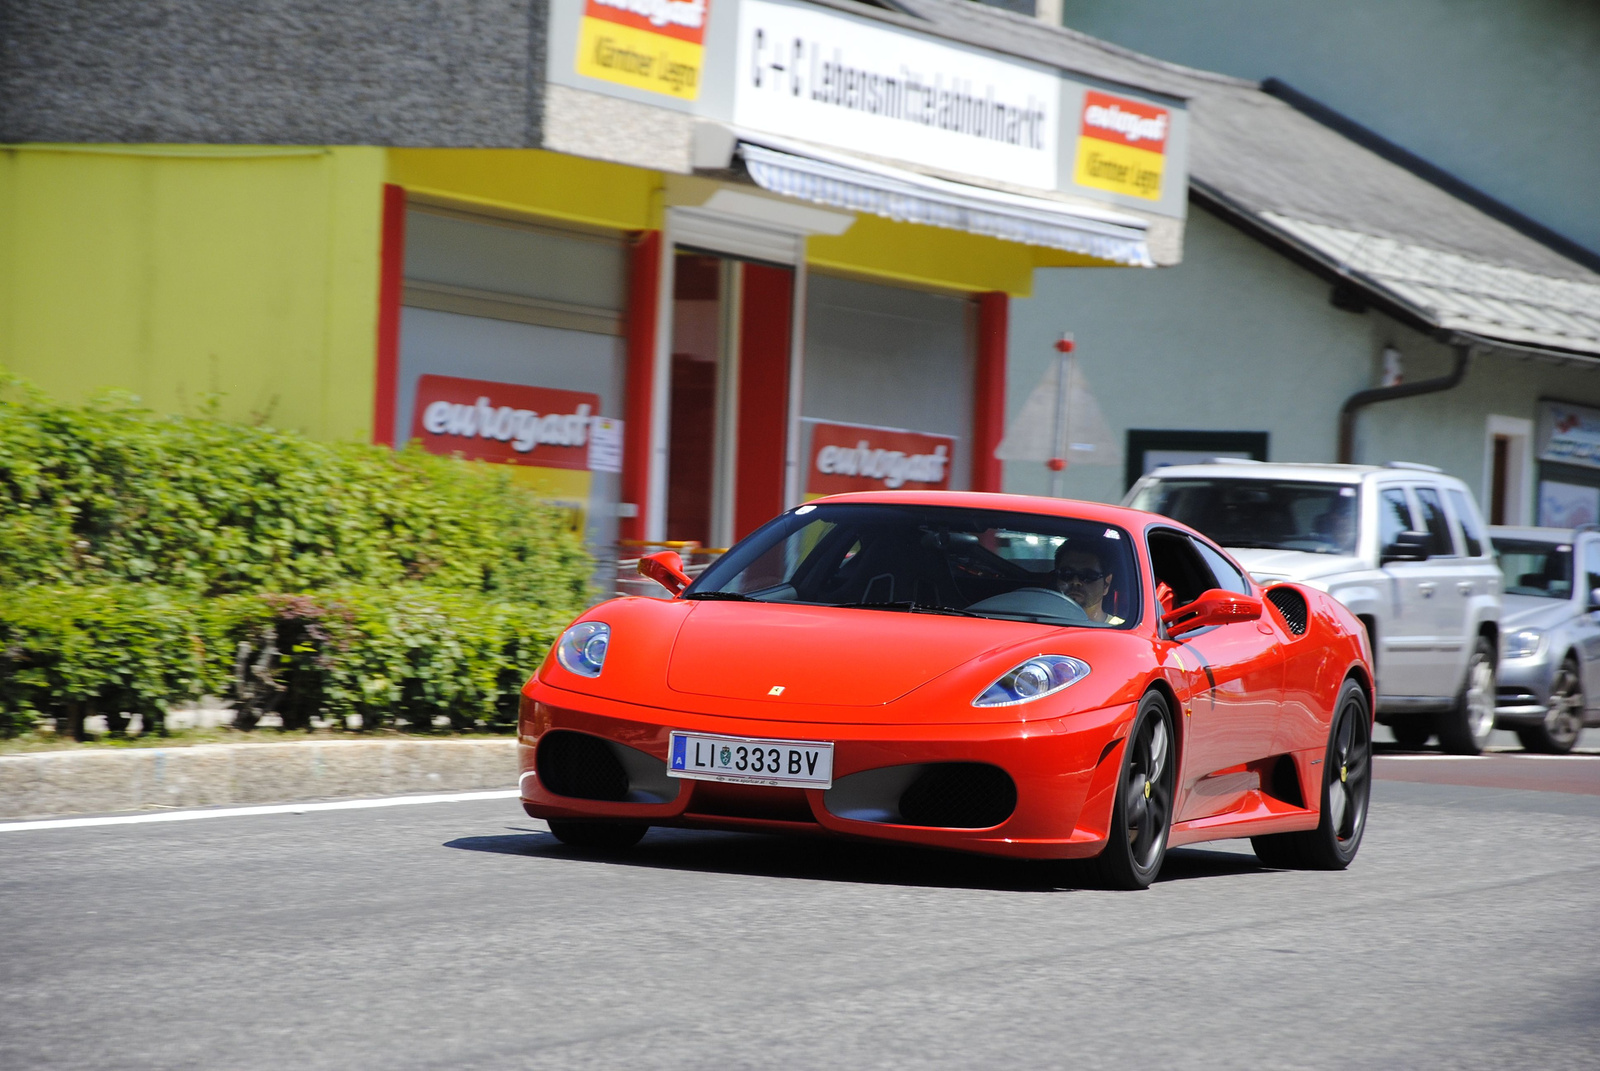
(913, 607)
(725, 596)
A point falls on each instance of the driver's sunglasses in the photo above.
(1083, 576)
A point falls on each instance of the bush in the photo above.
(148, 560)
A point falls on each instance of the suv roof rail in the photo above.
(1236, 461)
(1414, 466)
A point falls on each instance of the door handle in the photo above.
(1426, 588)
(1465, 587)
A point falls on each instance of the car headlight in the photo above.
(582, 648)
(1034, 679)
(1524, 643)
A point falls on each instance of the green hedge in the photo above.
(148, 560)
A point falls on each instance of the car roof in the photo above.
(1536, 535)
(1306, 473)
(1098, 512)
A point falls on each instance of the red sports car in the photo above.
(993, 673)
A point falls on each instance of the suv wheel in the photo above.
(1465, 730)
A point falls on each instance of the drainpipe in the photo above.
(1363, 398)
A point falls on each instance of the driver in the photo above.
(1083, 574)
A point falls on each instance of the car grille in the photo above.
(959, 795)
(1292, 605)
(580, 766)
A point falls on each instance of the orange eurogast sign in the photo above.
(1122, 145)
(515, 424)
(849, 457)
(654, 45)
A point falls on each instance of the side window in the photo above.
(1175, 562)
(1394, 515)
(1442, 544)
(1591, 567)
(1228, 577)
(1471, 527)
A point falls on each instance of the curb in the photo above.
(210, 775)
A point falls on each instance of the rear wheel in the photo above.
(1465, 730)
(1563, 719)
(1413, 732)
(1346, 790)
(602, 836)
(1141, 816)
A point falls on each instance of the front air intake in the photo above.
(959, 795)
(580, 766)
(1292, 605)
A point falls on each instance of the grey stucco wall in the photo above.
(1239, 339)
(353, 72)
(1502, 94)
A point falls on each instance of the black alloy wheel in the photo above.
(1141, 816)
(1346, 791)
(597, 835)
(1563, 719)
(1465, 730)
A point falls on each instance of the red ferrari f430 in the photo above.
(1026, 677)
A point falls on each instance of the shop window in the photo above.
(1149, 450)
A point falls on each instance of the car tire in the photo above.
(1465, 730)
(1346, 793)
(1412, 732)
(1141, 813)
(1563, 720)
(599, 836)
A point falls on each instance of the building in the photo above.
(683, 263)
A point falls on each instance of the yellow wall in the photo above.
(178, 272)
(530, 180)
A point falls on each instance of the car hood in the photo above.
(788, 654)
(1531, 611)
(1299, 565)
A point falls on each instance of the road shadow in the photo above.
(827, 859)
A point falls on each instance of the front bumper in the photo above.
(1522, 691)
(1064, 770)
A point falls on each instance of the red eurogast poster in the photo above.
(505, 422)
(849, 457)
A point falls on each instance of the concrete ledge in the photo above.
(209, 775)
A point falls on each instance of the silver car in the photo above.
(1549, 682)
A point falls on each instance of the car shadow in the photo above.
(826, 859)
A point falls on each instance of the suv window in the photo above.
(1394, 515)
(1228, 578)
(1442, 544)
(1258, 513)
(1591, 566)
(1471, 527)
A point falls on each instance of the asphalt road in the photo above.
(462, 935)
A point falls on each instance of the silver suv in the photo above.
(1550, 659)
(1403, 547)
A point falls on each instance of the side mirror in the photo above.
(1407, 547)
(666, 569)
(1215, 607)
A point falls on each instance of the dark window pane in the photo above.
(1228, 578)
(1471, 531)
(1394, 516)
(1442, 544)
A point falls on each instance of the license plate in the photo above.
(749, 761)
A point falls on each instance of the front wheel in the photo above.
(1141, 817)
(1465, 730)
(1346, 790)
(1563, 719)
(597, 835)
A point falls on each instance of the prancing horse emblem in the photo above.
(776, 689)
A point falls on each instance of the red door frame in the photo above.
(644, 285)
(989, 392)
(391, 286)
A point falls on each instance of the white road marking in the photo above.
(240, 812)
(1576, 756)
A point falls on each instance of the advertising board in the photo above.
(1569, 434)
(1122, 145)
(515, 424)
(654, 45)
(851, 457)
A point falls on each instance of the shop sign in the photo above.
(849, 457)
(1122, 145)
(508, 422)
(834, 80)
(1569, 434)
(1567, 505)
(654, 45)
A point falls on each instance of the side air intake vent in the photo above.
(959, 795)
(580, 766)
(1292, 605)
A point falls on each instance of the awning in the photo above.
(840, 181)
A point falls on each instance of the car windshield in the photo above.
(934, 559)
(1273, 514)
(1534, 567)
